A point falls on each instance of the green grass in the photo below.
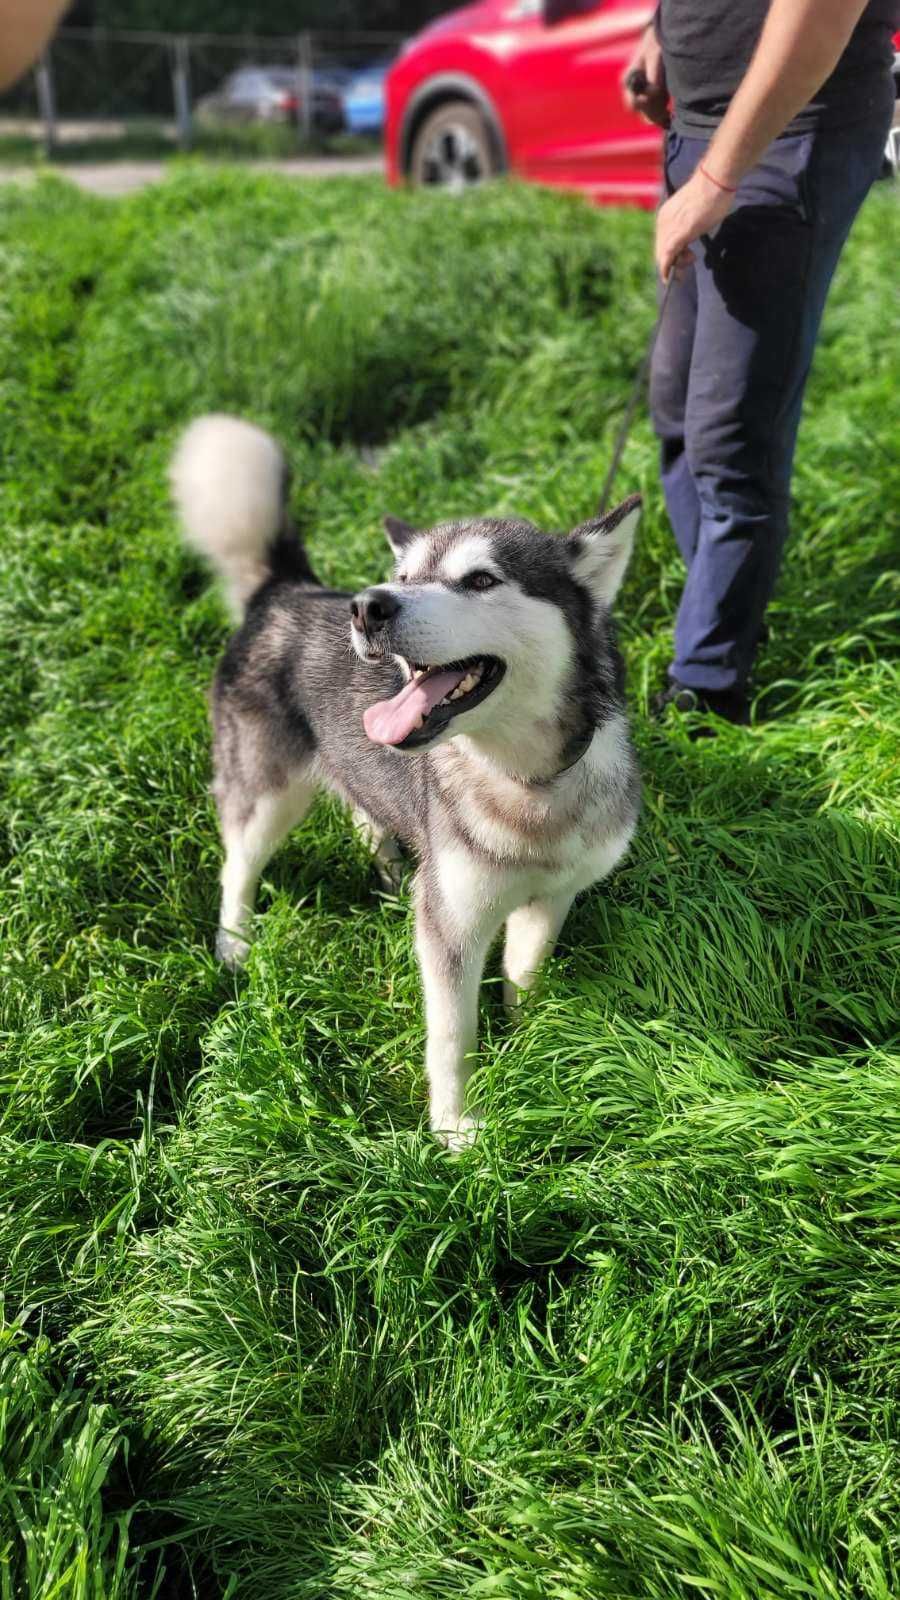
(262, 1337)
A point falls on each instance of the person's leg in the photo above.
(761, 286)
(669, 373)
(752, 282)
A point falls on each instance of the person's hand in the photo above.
(694, 209)
(651, 102)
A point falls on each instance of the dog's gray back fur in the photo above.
(508, 822)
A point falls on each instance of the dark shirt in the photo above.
(707, 46)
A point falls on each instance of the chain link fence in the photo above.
(238, 91)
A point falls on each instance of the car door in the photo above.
(567, 122)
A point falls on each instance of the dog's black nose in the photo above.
(373, 608)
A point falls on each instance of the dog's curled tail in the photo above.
(229, 482)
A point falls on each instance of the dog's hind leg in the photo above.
(252, 831)
(531, 932)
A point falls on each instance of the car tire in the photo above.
(453, 148)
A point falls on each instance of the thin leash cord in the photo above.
(634, 399)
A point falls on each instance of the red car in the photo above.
(527, 86)
(531, 87)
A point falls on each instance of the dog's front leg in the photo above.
(531, 932)
(386, 852)
(451, 977)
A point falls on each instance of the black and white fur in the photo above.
(514, 801)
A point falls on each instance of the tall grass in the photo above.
(262, 1337)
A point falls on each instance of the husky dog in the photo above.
(472, 708)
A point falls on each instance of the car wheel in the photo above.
(453, 148)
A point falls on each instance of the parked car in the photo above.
(272, 94)
(364, 99)
(527, 86)
(531, 87)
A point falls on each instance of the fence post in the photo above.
(46, 97)
(305, 87)
(181, 90)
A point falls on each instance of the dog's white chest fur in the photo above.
(515, 844)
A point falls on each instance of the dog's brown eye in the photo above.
(480, 580)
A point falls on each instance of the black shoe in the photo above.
(729, 704)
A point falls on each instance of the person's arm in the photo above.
(800, 45)
(651, 99)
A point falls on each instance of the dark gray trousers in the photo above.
(728, 375)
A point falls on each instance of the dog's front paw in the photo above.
(231, 949)
(513, 1000)
(391, 874)
(457, 1133)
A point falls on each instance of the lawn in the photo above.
(262, 1336)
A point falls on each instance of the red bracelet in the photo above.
(725, 187)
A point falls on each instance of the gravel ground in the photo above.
(113, 178)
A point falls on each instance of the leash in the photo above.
(577, 747)
(634, 399)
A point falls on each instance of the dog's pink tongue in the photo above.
(391, 721)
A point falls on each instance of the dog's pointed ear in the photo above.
(601, 549)
(399, 534)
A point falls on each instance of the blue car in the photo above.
(363, 96)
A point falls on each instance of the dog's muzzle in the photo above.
(433, 692)
(372, 610)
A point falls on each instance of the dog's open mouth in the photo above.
(430, 699)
